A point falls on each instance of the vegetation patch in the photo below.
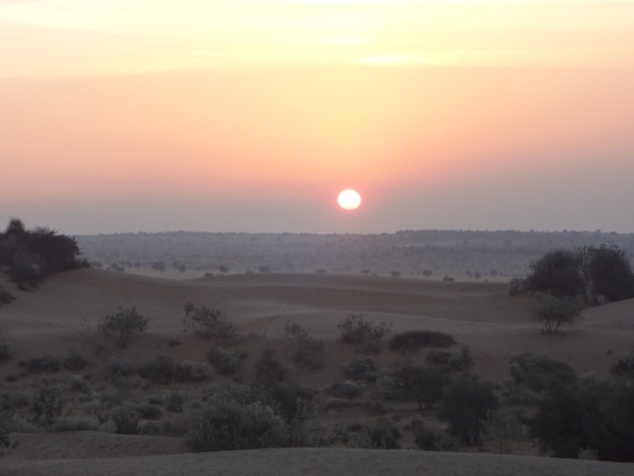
(365, 335)
(414, 340)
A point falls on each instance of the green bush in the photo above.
(126, 421)
(365, 335)
(465, 406)
(5, 296)
(458, 361)
(624, 366)
(48, 405)
(74, 362)
(347, 390)
(412, 341)
(236, 419)
(44, 363)
(553, 312)
(361, 368)
(121, 325)
(225, 362)
(540, 372)
(309, 351)
(159, 371)
(209, 323)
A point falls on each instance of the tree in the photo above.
(554, 312)
(608, 272)
(122, 324)
(557, 273)
(465, 406)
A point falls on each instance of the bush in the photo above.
(5, 296)
(347, 390)
(126, 421)
(189, 371)
(465, 406)
(48, 405)
(361, 368)
(225, 362)
(412, 341)
(75, 361)
(209, 323)
(159, 371)
(44, 363)
(624, 366)
(365, 335)
(6, 353)
(236, 419)
(458, 361)
(121, 325)
(309, 351)
(554, 312)
(540, 372)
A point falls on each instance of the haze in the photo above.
(252, 115)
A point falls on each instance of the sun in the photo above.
(349, 199)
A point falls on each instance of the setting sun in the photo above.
(349, 199)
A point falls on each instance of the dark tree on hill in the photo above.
(30, 256)
(608, 272)
(557, 273)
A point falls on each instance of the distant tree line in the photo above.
(29, 256)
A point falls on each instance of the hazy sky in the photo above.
(247, 115)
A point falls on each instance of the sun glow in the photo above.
(349, 199)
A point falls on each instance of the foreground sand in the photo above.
(315, 461)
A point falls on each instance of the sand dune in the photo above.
(480, 315)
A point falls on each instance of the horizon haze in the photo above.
(252, 115)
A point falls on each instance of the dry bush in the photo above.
(366, 336)
(414, 340)
(209, 323)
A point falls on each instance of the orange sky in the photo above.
(252, 115)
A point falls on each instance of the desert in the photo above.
(59, 319)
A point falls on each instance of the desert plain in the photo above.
(57, 318)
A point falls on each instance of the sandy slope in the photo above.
(479, 315)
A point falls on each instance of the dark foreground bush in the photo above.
(236, 418)
(209, 323)
(225, 362)
(540, 372)
(361, 368)
(413, 341)
(44, 363)
(365, 335)
(121, 325)
(465, 406)
(458, 361)
(624, 366)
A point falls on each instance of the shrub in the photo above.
(119, 326)
(504, 428)
(5, 296)
(160, 371)
(347, 390)
(540, 372)
(77, 423)
(420, 384)
(48, 405)
(624, 366)
(126, 421)
(361, 368)
(309, 351)
(209, 323)
(365, 335)
(424, 438)
(148, 412)
(465, 405)
(458, 361)
(6, 353)
(174, 402)
(225, 362)
(412, 341)
(189, 371)
(554, 312)
(75, 361)
(44, 363)
(235, 419)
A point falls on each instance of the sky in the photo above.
(252, 115)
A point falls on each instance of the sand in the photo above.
(480, 315)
